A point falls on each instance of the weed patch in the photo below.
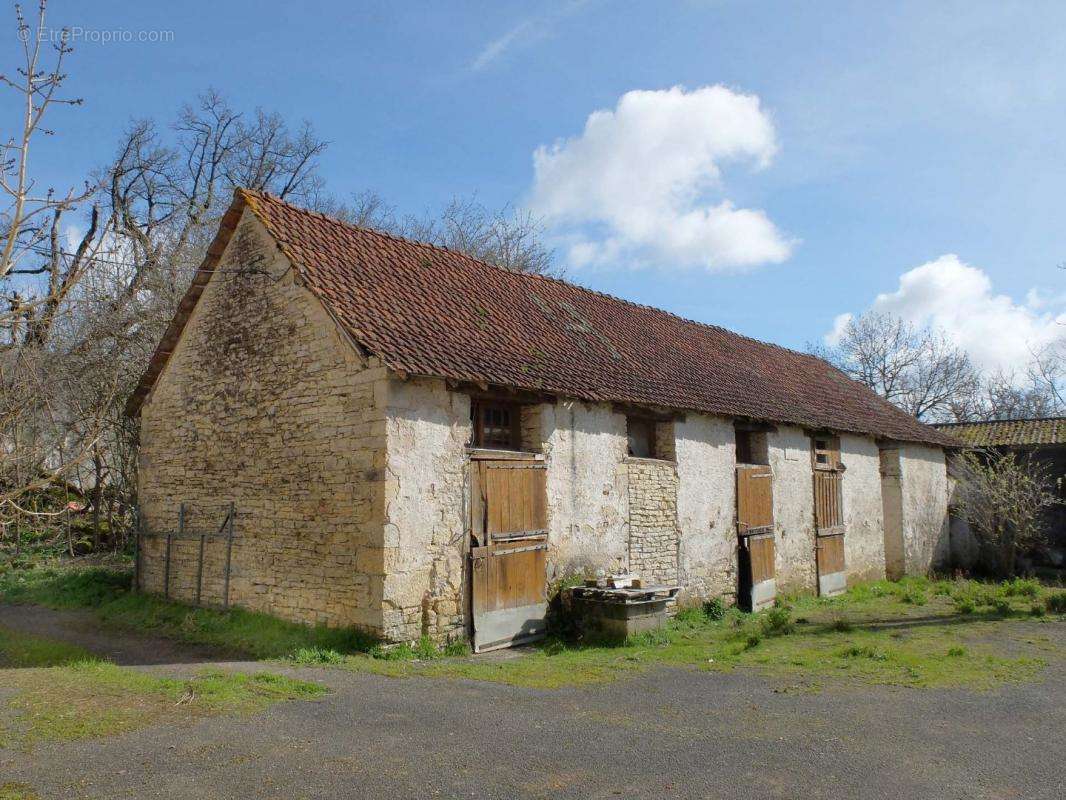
(88, 699)
(21, 650)
(107, 593)
(17, 791)
(863, 635)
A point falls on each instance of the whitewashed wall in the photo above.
(588, 500)
(706, 505)
(864, 540)
(790, 458)
(923, 473)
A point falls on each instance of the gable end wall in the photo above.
(264, 404)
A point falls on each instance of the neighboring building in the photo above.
(1041, 441)
(418, 443)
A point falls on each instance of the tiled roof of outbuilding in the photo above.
(426, 310)
(1008, 432)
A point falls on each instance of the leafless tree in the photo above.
(507, 238)
(916, 368)
(1004, 499)
(48, 425)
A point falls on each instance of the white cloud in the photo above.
(636, 183)
(996, 331)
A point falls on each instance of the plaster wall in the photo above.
(924, 483)
(864, 540)
(706, 506)
(790, 459)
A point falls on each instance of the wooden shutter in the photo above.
(755, 498)
(508, 499)
(828, 500)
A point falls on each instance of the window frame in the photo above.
(478, 408)
(651, 427)
(831, 451)
(753, 446)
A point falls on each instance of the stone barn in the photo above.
(348, 428)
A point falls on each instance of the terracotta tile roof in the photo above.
(426, 310)
(1008, 432)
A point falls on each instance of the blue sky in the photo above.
(864, 142)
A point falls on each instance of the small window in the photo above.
(641, 433)
(496, 425)
(826, 450)
(752, 447)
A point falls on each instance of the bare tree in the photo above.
(507, 238)
(916, 368)
(1005, 500)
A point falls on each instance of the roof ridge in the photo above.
(997, 421)
(523, 275)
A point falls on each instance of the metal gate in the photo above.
(829, 541)
(508, 559)
(755, 527)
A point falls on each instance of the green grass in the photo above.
(17, 791)
(92, 698)
(910, 633)
(237, 631)
(19, 650)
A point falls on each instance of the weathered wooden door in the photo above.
(829, 541)
(508, 559)
(755, 527)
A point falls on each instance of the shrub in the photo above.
(1001, 605)
(863, 651)
(964, 605)
(1021, 587)
(714, 609)
(316, 655)
(1004, 498)
(1056, 603)
(840, 625)
(777, 621)
(956, 652)
(915, 597)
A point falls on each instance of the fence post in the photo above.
(229, 556)
(136, 548)
(170, 539)
(200, 569)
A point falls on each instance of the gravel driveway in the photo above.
(662, 734)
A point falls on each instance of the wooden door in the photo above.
(509, 557)
(829, 541)
(755, 527)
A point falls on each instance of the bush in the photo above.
(1056, 603)
(1021, 587)
(840, 625)
(956, 652)
(915, 597)
(863, 651)
(777, 622)
(1001, 605)
(316, 655)
(714, 609)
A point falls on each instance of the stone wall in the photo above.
(653, 534)
(265, 404)
(864, 538)
(706, 506)
(427, 432)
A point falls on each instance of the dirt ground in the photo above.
(661, 734)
